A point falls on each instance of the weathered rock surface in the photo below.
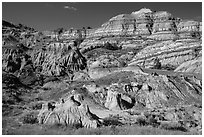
(191, 66)
(116, 100)
(189, 29)
(164, 26)
(69, 112)
(140, 23)
(155, 91)
(16, 60)
(158, 25)
(168, 52)
(59, 59)
(157, 100)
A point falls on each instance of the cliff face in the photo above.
(136, 23)
(164, 26)
(189, 29)
(159, 25)
(159, 34)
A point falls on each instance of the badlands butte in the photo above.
(143, 68)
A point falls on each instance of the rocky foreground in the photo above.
(142, 68)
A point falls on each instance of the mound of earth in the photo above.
(70, 111)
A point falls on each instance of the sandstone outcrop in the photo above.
(116, 100)
(189, 29)
(164, 26)
(69, 112)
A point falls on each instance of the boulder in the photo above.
(112, 99)
(92, 88)
(116, 100)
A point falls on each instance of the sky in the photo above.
(52, 15)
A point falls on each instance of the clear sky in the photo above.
(50, 16)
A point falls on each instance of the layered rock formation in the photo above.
(140, 25)
(136, 23)
(73, 34)
(168, 52)
(191, 66)
(164, 26)
(159, 25)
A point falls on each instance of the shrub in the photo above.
(122, 64)
(111, 121)
(153, 122)
(169, 67)
(141, 122)
(36, 105)
(172, 126)
(30, 118)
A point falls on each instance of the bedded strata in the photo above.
(168, 52)
(159, 25)
(74, 34)
(189, 29)
(120, 25)
(144, 21)
(164, 26)
(191, 66)
(136, 23)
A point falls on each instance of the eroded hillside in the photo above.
(142, 68)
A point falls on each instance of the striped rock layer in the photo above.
(168, 52)
(160, 25)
